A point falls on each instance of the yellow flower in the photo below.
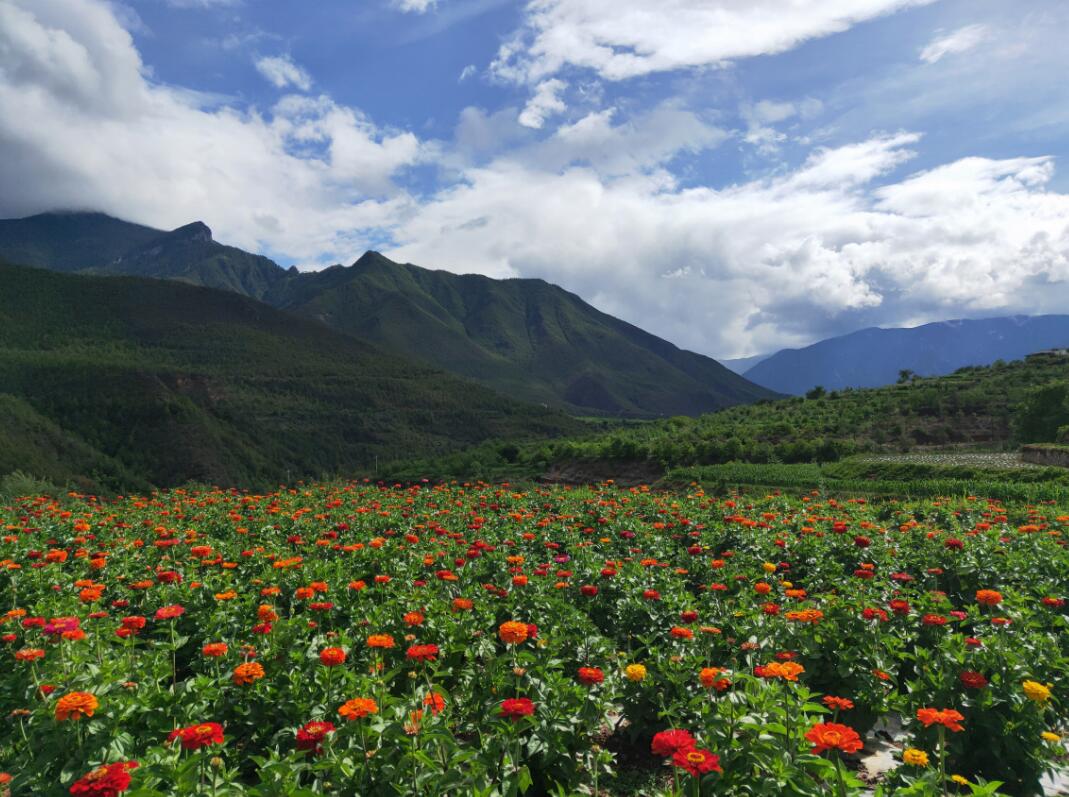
(1036, 691)
(635, 672)
(915, 757)
(959, 780)
(1051, 736)
(768, 567)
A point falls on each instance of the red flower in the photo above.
(105, 781)
(331, 657)
(423, 652)
(311, 735)
(591, 675)
(195, 737)
(973, 680)
(696, 762)
(838, 703)
(170, 612)
(517, 707)
(833, 736)
(589, 590)
(668, 743)
(933, 619)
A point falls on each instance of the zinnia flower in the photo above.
(195, 737)
(215, 649)
(973, 680)
(332, 657)
(517, 707)
(946, 716)
(383, 641)
(423, 652)
(105, 781)
(988, 597)
(358, 707)
(75, 705)
(170, 612)
(915, 757)
(1036, 691)
(668, 743)
(248, 673)
(591, 675)
(635, 672)
(512, 632)
(310, 736)
(833, 736)
(696, 762)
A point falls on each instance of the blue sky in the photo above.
(734, 175)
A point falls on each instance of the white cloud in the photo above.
(545, 103)
(759, 265)
(414, 6)
(82, 127)
(838, 241)
(281, 72)
(621, 39)
(203, 3)
(467, 72)
(959, 41)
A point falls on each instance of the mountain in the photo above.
(70, 241)
(130, 381)
(874, 357)
(740, 365)
(526, 338)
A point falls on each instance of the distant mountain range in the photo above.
(525, 338)
(875, 357)
(128, 382)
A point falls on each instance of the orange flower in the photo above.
(833, 736)
(708, 675)
(215, 649)
(248, 673)
(358, 707)
(512, 632)
(787, 670)
(76, 705)
(941, 716)
(462, 604)
(413, 618)
(384, 641)
(988, 597)
(332, 657)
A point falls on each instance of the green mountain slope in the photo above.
(173, 382)
(992, 407)
(70, 241)
(525, 338)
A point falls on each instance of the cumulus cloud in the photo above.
(545, 103)
(755, 266)
(281, 72)
(844, 238)
(82, 127)
(622, 39)
(959, 41)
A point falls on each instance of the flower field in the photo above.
(481, 639)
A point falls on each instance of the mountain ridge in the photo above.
(524, 337)
(875, 356)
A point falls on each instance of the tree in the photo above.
(816, 392)
(1043, 412)
(906, 375)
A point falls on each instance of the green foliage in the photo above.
(18, 484)
(972, 407)
(128, 382)
(1044, 413)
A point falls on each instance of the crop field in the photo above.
(354, 639)
(975, 459)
